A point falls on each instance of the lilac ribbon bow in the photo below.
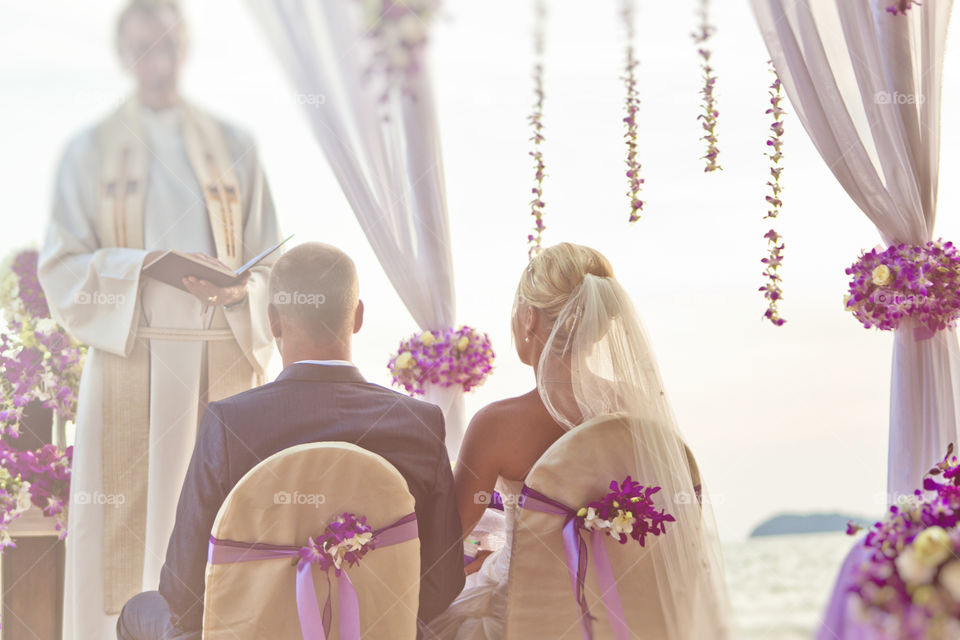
(576, 552)
(313, 624)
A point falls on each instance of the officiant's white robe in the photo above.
(95, 292)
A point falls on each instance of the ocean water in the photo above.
(779, 585)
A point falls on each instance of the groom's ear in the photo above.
(358, 317)
(274, 317)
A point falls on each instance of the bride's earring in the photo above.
(526, 339)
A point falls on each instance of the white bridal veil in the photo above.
(598, 361)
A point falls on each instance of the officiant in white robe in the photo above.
(158, 174)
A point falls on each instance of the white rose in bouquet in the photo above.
(950, 579)
(912, 569)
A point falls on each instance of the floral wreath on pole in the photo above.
(450, 357)
(919, 282)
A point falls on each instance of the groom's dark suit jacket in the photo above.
(315, 403)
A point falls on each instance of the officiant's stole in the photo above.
(126, 379)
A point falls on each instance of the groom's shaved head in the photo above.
(315, 286)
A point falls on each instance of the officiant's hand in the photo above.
(210, 294)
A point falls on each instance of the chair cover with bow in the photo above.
(289, 498)
(576, 470)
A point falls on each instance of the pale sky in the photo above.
(781, 419)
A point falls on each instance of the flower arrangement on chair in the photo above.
(346, 539)
(626, 512)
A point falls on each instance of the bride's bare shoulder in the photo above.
(504, 414)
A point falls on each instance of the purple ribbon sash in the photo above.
(315, 625)
(576, 551)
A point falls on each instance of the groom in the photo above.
(315, 312)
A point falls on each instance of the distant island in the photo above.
(788, 523)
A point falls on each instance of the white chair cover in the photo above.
(575, 470)
(288, 498)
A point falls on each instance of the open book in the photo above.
(173, 266)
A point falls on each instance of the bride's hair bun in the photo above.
(555, 274)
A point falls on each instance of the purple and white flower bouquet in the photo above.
(919, 282)
(909, 587)
(345, 540)
(626, 512)
(445, 358)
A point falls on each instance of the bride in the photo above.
(575, 325)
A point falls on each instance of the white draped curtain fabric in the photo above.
(383, 147)
(866, 86)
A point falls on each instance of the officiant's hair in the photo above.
(316, 285)
(553, 275)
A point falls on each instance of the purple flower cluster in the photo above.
(907, 281)
(24, 266)
(47, 472)
(626, 512)
(445, 358)
(632, 105)
(346, 539)
(39, 362)
(910, 586)
(535, 239)
(707, 98)
(900, 7)
(12, 504)
(38, 359)
(48, 372)
(771, 290)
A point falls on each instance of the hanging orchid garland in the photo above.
(708, 100)
(535, 239)
(632, 105)
(771, 290)
(900, 7)
(399, 34)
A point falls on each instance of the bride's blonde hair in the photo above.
(553, 276)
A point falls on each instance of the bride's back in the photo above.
(523, 430)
